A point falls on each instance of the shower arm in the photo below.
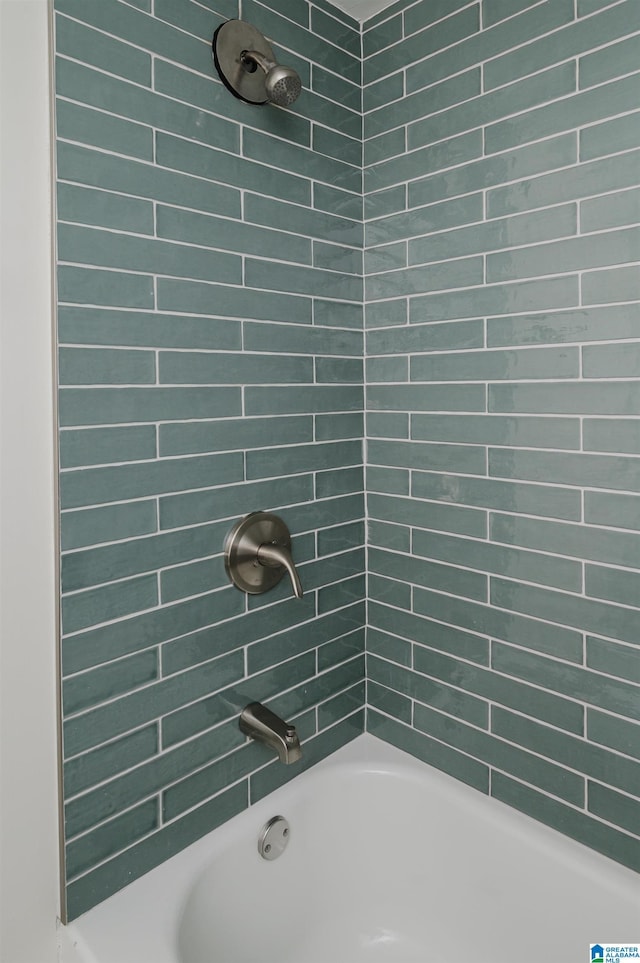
(255, 57)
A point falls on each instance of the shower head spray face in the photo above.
(247, 66)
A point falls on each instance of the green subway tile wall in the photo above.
(502, 324)
(211, 344)
(241, 302)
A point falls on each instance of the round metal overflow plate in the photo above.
(274, 837)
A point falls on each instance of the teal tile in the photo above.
(424, 220)
(382, 92)
(115, 679)
(585, 614)
(572, 822)
(387, 646)
(389, 369)
(192, 227)
(610, 210)
(191, 507)
(295, 279)
(389, 481)
(338, 370)
(620, 511)
(335, 257)
(386, 313)
(617, 284)
(382, 35)
(124, 251)
(85, 771)
(610, 434)
(554, 118)
(617, 59)
(342, 203)
(499, 233)
(614, 807)
(496, 621)
(83, 609)
(443, 96)
(294, 640)
(273, 462)
(89, 406)
(528, 364)
(573, 182)
(78, 285)
(96, 485)
(490, 172)
(330, 113)
(388, 591)
(200, 298)
(210, 780)
(568, 750)
(520, 432)
(604, 323)
(112, 876)
(136, 103)
(467, 459)
(426, 398)
(334, 427)
(612, 584)
(487, 557)
(505, 298)
(84, 205)
(386, 201)
(574, 682)
(386, 257)
(151, 628)
(182, 368)
(99, 446)
(387, 424)
(423, 164)
(463, 273)
(499, 754)
(596, 471)
(192, 17)
(413, 570)
(305, 399)
(426, 691)
(293, 159)
(336, 31)
(489, 684)
(496, 10)
(84, 853)
(91, 366)
(396, 538)
(389, 702)
(610, 136)
(108, 524)
(538, 499)
(135, 27)
(613, 732)
(344, 591)
(337, 314)
(341, 91)
(613, 247)
(74, 39)
(339, 482)
(321, 224)
(113, 173)
(104, 722)
(105, 563)
(337, 145)
(186, 438)
(428, 337)
(93, 128)
(619, 660)
(205, 162)
(489, 108)
(607, 398)
(431, 751)
(441, 517)
(575, 39)
(581, 541)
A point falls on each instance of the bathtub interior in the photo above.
(388, 860)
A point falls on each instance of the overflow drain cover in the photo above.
(273, 838)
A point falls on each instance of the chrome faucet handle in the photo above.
(257, 553)
(277, 556)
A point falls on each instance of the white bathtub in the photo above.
(388, 860)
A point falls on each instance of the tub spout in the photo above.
(266, 727)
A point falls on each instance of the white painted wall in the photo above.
(28, 769)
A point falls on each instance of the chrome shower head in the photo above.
(247, 66)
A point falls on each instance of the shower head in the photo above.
(247, 66)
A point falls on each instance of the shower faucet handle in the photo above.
(257, 553)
